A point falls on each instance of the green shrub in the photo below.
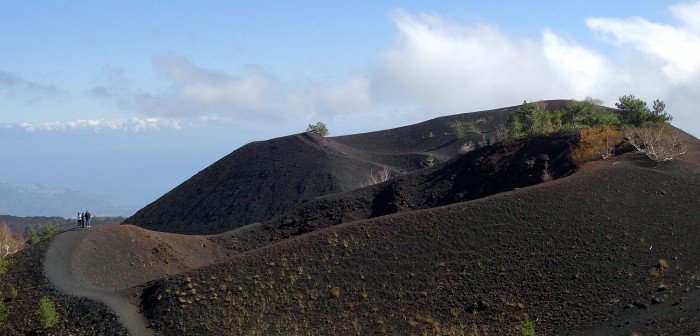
(13, 293)
(587, 113)
(47, 231)
(530, 119)
(3, 314)
(50, 230)
(635, 112)
(46, 315)
(4, 264)
(33, 236)
(459, 129)
(320, 129)
(527, 328)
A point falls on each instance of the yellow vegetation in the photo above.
(596, 143)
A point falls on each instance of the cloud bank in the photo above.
(439, 67)
(133, 124)
(434, 67)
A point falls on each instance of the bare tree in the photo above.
(382, 176)
(659, 142)
(9, 244)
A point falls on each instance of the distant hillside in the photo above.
(42, 201)
(18, 225)
(264, 179)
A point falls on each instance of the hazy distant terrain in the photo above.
(39, 200)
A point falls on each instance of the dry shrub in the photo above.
(659, 142)
(381, 176)
(546, 175)
(466, 147)
(596, 143)
(9, 244)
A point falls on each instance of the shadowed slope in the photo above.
(501, 167)
(570, 254)
(254, 183)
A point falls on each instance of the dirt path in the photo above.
(59, 270)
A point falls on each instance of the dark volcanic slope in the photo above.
(265, 179)
(605, 252)
(255, 182)
(485, 171)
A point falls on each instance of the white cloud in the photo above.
(133, 124)
(444, 67)
(664, 61)
(687, 14)
(678, 48)
(450, 68)
(437, 67)
(201, 95)
(216, 89)
(577, 67)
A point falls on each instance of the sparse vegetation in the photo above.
(50, 230)
(33, 236)
(3, 314)
(459, 129)
(635, 112)
(530, 119)
(45, 315)
(319, 128)
(466, 147)
(659, 142)
(4, 264)
(527, 328)
(13, 293)
(644, 128)
(382, 175)
(9, 243)
(587, 113)
(546, 175)
(47, 232)
(430, 161)
(596, 142)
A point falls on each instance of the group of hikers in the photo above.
(84, 220)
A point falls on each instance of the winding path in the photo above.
(59, 270)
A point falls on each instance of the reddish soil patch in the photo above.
(124, 256)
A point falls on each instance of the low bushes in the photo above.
(659, 142)
(46, 315)
(596, 143)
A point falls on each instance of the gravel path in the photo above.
(58, 269)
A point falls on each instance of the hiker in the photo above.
(87, 218)
(80, 220)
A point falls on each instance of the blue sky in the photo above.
(130, 98)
